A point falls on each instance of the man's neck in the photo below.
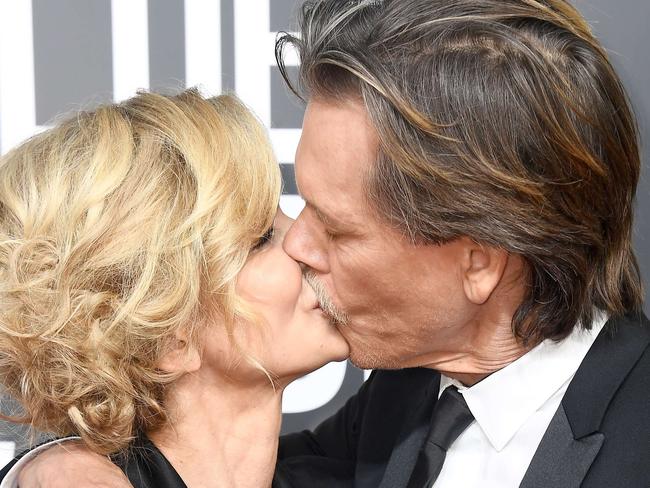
(218, 430)
(480, 358)
(486, 342)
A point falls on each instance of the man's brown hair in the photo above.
(500, 120)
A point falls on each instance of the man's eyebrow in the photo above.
(325, 218)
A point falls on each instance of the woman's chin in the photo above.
(339, 351)
(308, 359)
(342, 350)
(313, 344)
(333, 347)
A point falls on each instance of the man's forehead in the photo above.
(337, 146)
(334, 156)
(326, 190)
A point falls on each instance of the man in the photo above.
(469, 169)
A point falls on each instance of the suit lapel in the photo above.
(611, 358)
(560, 459)
(411, 438)
(572, 440)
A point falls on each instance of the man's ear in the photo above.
(483, 268)
(180, 356)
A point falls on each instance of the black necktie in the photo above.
(451, 416)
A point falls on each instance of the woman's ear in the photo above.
(181, 356)
(483, 268)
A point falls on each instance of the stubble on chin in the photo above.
(370, 353)
(366, 358)
(363, 354)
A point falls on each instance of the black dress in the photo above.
(147, 467)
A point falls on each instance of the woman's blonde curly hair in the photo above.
(118, 228)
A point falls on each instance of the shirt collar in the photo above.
(505, 400)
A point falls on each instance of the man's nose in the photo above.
(302, 244)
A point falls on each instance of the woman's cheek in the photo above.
(271, 280)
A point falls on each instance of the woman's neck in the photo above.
(222, 433)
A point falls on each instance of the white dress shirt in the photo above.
(512, 409)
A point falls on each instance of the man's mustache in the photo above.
(335, 314)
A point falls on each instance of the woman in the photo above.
(146, 303)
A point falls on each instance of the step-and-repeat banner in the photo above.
(58, 56)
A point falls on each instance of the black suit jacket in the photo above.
(598, 438)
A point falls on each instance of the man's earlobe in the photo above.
(483, 270)
(181, 356)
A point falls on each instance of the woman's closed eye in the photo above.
(268, 235)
